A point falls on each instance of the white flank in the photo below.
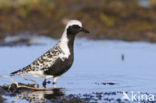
(39, 74)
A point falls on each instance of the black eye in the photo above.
(76, 27)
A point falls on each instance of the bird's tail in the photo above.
(20, 71)
(15, 73)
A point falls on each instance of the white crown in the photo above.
(73, 22)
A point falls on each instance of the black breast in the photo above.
(59, 67)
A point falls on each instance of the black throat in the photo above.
(71, 38)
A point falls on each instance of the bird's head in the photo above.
(75, 26)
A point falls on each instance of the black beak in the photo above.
(84, 30)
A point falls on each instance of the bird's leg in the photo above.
(54, 81)
(54, 86)
(48, 82)
(31, 81)
(44, 83)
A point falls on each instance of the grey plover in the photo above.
(57, 60)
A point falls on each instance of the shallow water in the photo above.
(102, 69)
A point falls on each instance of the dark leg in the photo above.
(54, 82)
(48, 82)
(44, 83)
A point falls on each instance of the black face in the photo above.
(74, 29)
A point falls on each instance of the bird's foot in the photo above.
(48, 82)
(44, 83)
(54, 85)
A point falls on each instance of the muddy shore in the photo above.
(58, 96)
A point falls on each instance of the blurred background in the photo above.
(130, 20)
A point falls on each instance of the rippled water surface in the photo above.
(102, 70)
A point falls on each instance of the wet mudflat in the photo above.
(101, 72)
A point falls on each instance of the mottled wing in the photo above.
(47, 59)
(44, 61)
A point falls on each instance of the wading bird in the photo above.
(57, 60)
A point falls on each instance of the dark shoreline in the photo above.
(58, 96)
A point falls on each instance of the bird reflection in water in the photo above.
(39, 96)
(34, 96)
